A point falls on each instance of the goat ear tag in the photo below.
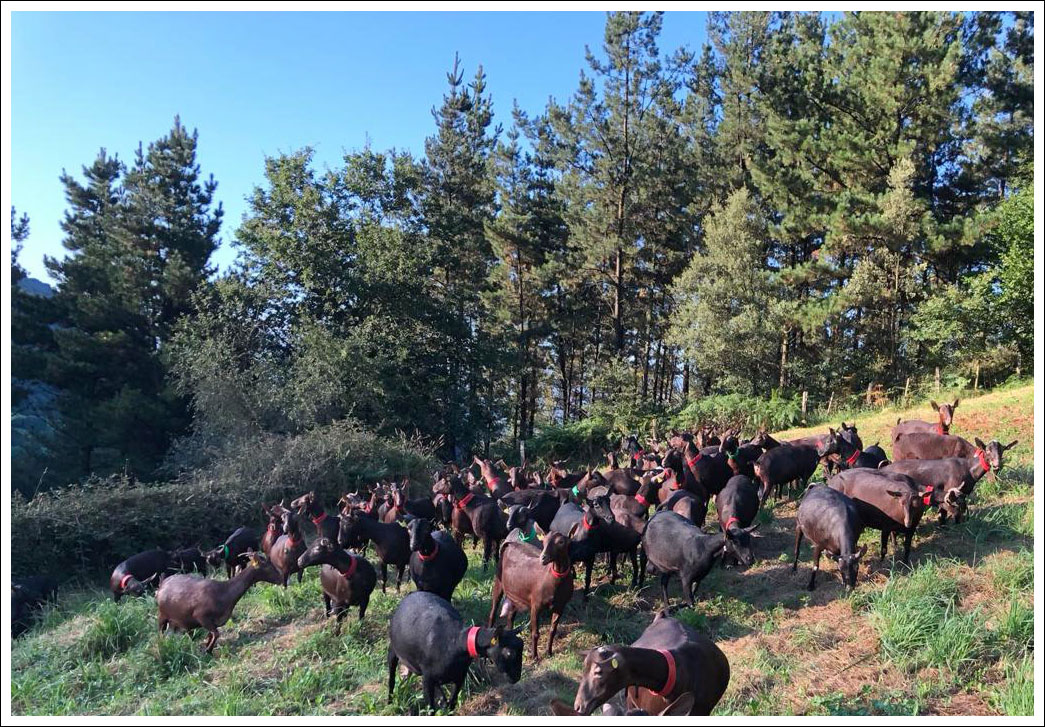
(613, 663)
(493, 641)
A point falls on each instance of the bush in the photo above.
(579, 442)
(92, 527)
(747, 413)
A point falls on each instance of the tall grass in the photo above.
(921, 623)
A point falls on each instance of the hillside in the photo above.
(952, 635)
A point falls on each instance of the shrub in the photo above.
(92, 527)
(744, 412)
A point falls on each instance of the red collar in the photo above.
(366, 506)
(669, 684)
(557, 574)
(473, 632)
(730, 522)
(321, 518)
(939, 428)
(983, 460)
(493, 482)
(642, 499)
(465, 500)
(856, 456)
(290, 539)
(586, 524)
(352, 565)
(927, 498)
(125, 580)
(691, 462)
(430, 555)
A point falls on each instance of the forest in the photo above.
(835, 205)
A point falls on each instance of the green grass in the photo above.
(954, 629)
(1015, 695)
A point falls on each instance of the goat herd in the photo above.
(538, 528)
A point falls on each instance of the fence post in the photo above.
(906, 391)
(522, 452)
(937, 379)
(805, 402)
(870, 389)
(830, 403)
(976, 382)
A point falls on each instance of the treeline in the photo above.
(805, 204)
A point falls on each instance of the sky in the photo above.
(260, 84)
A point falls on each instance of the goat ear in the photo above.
(934, 405)
(1011, 444)
(681, 706)
(573, 530)
(894, 493)
(955, 404)
(979, 443)
(561, 709)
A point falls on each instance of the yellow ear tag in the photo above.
(493, 641)
(613, 663)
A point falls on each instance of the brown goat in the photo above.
(187, 602)
(274, 528)
(945, 414)
(288, 547)
(537, 581)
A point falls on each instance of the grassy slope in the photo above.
(952, 636)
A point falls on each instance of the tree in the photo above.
(724, 322)
(456, 205)
(139, 243)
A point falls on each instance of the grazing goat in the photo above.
(186, 602)
(429, 637)
(675, 546)
(831, 521)
(132, 575)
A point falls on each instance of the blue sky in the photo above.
(257, 84)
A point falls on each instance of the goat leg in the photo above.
(798, 544)
(534, 632)
(393, 664)
(816, 567)
(554, 629)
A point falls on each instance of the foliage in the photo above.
(91, 527)
(809, 203)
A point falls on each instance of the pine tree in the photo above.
(457, 203)
(140, 241)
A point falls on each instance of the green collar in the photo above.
(531, 536)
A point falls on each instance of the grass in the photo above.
(952, 634)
